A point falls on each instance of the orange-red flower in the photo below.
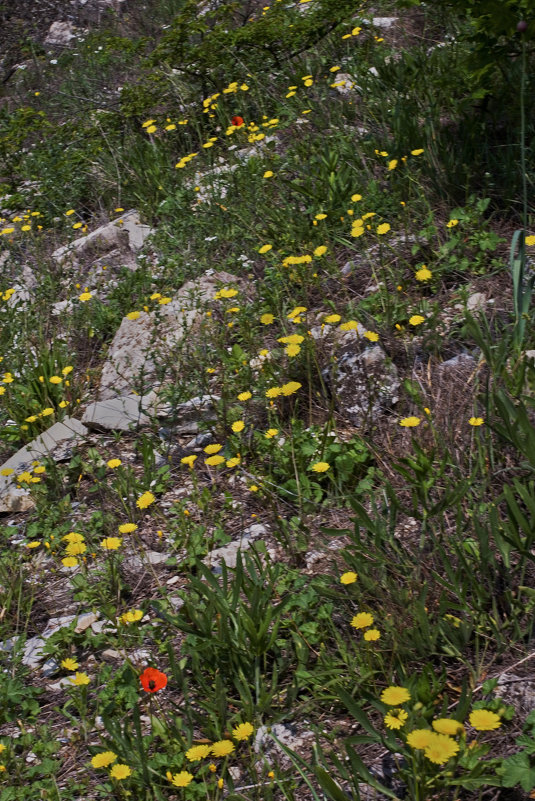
(237, 121)
(153, 680)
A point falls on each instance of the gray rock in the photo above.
(111, 655)
(213, 183)
(60, 34)
(265, 742)
(118, 414)
(364, 384)
(138, 562)
(32, 654)
(57, 686)
(228, 554)
(517, 691)
(125, 230)
(344, 84)
(50, 668)
(55, 624)
(131, 355)
(461, 362)
(84, 621)
(46, 444)
(476, 301)
(384, 22)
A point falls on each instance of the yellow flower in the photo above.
(120, 771)
(372, 635)
(24, 477)
(320, 467)
(189, 460)
(271, 432)
(476, 421)
(222, 748)
(392, 164)
(356, 198)
(452, 223)
(416, 319)
(70, 664)
(55, 379)
(348, 578)
(67, 370)
(290, 387)
(69, 561)
(198, 752)
(372, 336)
(75, 548)
(440, 748)
(33, 544)
(47, 412)
(384, 228)
(393, 696)
(80, 679)
(114, 463)
(85, 296)
(417, 152)
(273, 392)
(419, 738)
(234, 462)
(145, 500)
(213, 461)
(395, 719)
(268, 174)
(362, 620)
(111, 543)
(238, 426)
(73, 536)
(227, 293)
(448, 726)
(410, 422)
(243, 396)
(215, 448)
(320, 216)
(332, 318)
(133, 315)
(267, 319)
(127, 528)
(181, 779)
(133, 616)
(103, 759)
(265, 248)
(351, 325)
(483, 720)
(243, 731)
(292, 350)
(319, 251)
(7, 471)
(296, 312)
(423, 274)
(291, 339)
(530, 240)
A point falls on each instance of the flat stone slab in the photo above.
(127, 228)
(13, 499)
(119, 414)
(130, 357)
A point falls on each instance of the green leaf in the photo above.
(329, 785)
(519, 770)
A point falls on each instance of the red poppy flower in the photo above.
(153, 680)
(237, 121)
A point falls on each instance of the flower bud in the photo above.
(522, 26)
